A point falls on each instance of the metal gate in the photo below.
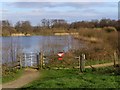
(30, 60)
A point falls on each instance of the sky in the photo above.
(70, 11)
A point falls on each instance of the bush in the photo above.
(109, 29)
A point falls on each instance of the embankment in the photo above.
(88, 39)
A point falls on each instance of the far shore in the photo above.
(54, 34)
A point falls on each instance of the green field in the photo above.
(72, 78)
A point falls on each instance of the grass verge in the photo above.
(71, 78)
(12, 75)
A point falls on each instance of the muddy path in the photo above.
(27, 77)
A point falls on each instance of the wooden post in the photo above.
(25, 59)
(82, 62)
(38, 60)
(41, 60)
(31, 59)
(115, 58)
(79, 62)
(20, 62)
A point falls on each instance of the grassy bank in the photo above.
(99, 78)
(12, 75)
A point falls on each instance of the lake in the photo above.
(47, 44)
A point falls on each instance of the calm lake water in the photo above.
(47, 44)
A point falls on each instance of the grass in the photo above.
(13, 75)
(71, 78)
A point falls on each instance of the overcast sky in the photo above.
(70, 11)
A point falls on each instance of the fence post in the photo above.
(41, 60)
(82, 63)
(20, 61)
(115, 58)
(31, 59)
(79, 63)
(83, 57)
(38, 59)
(25, 59)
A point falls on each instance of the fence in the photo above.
(37, 60)
(34, 60)
(82, 61)
(29, 60)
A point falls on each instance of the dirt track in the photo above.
(100, 65)
(29, 75)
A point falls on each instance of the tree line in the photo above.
(59, 24)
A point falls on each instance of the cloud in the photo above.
(70, 11)
(2, 11)
(60, 4)
(60, 1)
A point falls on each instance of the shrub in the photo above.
(109, 29)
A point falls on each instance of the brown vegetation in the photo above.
(51, 26)
(102, 43)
